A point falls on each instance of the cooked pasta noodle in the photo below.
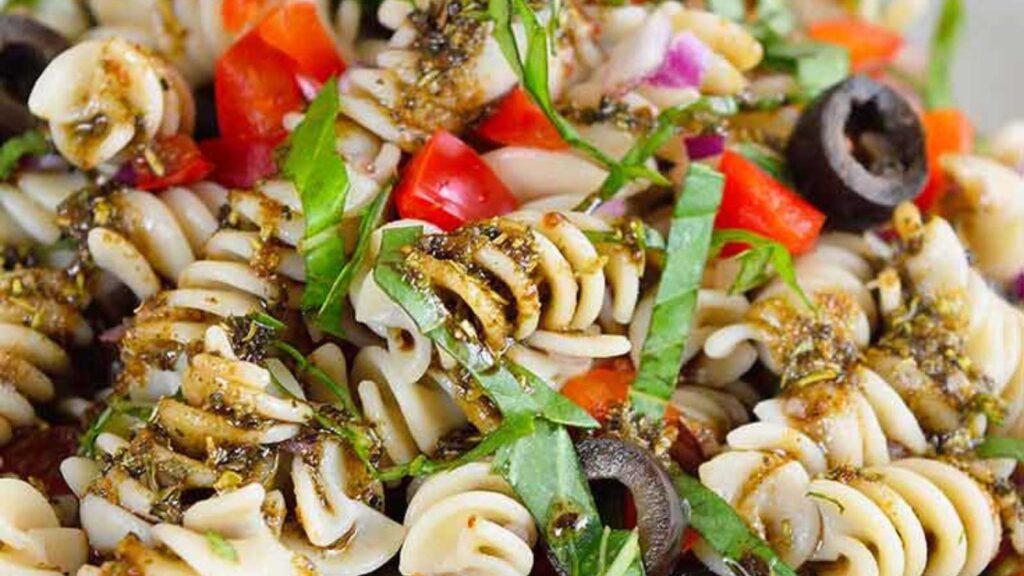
(41, 318)
(467, 521)
(102, 96)
(33, 541)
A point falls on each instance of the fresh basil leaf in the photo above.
(774, 19)
(1001, 447)
(31, 143)
(816, 65)
(938, 91)
(509, 431)
(545, 472)
(268, 321)
(766, 159)
(622, 547)
(372, 218)
(723, 529)
(320, 176)
(304, 366)
(689, 241)
(732, 9)
(221, 547)
(754, 261)
(496, 376)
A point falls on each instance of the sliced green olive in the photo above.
(858, 152)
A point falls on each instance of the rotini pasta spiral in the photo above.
(31, 203)
(467, 521)
(102, 96)
(40, 317)
(987, 210)
(34, 543)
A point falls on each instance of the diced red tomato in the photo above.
(600, 390)
(258, 79)
(517, 121)
(871, 46)
(297, 31)
(754, 201)
(237, 15)
(946, 131)
(242, 162)
(37, 453)
(448, 184)
(175, 161)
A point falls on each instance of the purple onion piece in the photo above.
(1017, 288)
(126, 175)
(685, 63)
(704, 146)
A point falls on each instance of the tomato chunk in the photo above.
(297, 31)
(946, 131)
(237, 15)
(517, 121)
(870, 46)
(37, 453)
(242, 162)
(173, 161)
(754, 201)
(448, 184)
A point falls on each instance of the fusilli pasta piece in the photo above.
(33, 541)
(467, 521)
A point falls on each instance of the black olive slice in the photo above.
(857, 152)
(660, 518)
(26, 47)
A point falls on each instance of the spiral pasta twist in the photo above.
(467, 522)
(30, 206)
(40, 316)
(33, 541)
(102, 96)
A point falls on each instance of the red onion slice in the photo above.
(684, 65)
(704, 146)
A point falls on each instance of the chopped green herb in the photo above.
(321, 178)
(938, 91)
(544, 470)
(268, 321)
(1001, 447)
(116, 409)
(221, 547)
(817, 65)
(303, 366)
(723, 529)
(756, 259)
(774, 19)
(513, 390)
(731, 9)
(30, 143)
(689, 241)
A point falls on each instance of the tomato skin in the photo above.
(946, 131)
(37, 453)
(754, 201)
(600, 390)
(181, 159)
(870, 46)
(517, 121)
(448, 184)
(237, 15)
(296, 31)
(242, 162)
(258, 80)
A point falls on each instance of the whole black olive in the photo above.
(659, 513)
(857, 152)
(26, 47)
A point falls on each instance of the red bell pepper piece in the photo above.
(448, 184)
(237, 15)
(517, 121)
(871, 46)
(946, 131)
(172, 161)
(257, 80)
(754, 201)
(242, 162)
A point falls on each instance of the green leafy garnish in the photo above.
(731, 9)
(513, 390)
(938, 91)
(667, 126)
(816, 65)
(267, 321)
(723, 529)
(1001, 447)
(321, 178)
(757, 261)
(30, 143)
(544, 470)
(304, 367)
(116, 409)
(689, 241)
(220, 546)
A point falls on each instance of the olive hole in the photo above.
(610, 497)
(866, 135)
(20, 65)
